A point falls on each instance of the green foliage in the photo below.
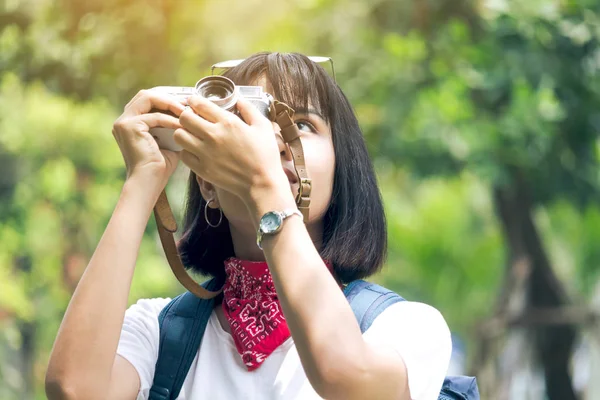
(445, 245)
(66, 180)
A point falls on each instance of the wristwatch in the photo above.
(271, 223)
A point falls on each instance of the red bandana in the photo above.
(252, 308)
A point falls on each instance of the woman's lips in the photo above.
(293, 179)
(291, 175)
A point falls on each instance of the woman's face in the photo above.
(317, 143)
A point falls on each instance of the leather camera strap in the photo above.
(167, 226)
(284, 116)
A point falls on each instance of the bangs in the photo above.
(291, 78)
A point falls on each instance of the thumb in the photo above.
(172, 160)
(250, 114)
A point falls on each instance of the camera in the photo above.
(218, 89)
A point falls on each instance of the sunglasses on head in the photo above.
(234, 63)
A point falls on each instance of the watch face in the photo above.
(270, 222)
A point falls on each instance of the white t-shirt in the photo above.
(418, 333)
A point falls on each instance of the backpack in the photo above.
(183, 322)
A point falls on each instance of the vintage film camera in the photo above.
(218, 89)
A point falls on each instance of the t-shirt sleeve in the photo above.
(420, 335)
(139, 340)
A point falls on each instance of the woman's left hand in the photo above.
(224, 150)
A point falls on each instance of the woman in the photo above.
(242, 169)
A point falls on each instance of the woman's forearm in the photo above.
(85, 347)
(325, 331)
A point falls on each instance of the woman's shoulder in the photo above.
(150, 307)
(140, 336)
(414, 313)
(411, 324)
(141, 321)
(420, 335)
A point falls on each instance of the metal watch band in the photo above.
(283, 215)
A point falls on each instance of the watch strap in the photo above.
(283, 214)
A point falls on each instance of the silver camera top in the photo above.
(218, 89)
(223, 92)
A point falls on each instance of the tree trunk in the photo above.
(542, 289)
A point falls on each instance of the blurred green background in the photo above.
(482, 118)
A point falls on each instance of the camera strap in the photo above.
(283, 115)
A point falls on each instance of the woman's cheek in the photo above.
(321, 166)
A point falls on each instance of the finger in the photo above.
(149, 100)
(158, 119)
(172, 157)
(191, 161)
(134, 98)
(250, 114)
(194, 123)
(207, 109)
(188, 141)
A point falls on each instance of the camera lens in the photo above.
(215, 93)
(219, 90)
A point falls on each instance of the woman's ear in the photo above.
(208, 192)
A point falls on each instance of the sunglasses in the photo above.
(234, 63)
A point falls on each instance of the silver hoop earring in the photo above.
(206, 215)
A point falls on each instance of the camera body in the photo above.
(218, 89)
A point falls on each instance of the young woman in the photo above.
(240, 170)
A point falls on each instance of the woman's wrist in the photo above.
(271, 195)
(141, 190)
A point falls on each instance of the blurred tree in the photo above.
(509, 94)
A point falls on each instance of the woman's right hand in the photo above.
(143, 158)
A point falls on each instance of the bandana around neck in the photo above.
(252, 308)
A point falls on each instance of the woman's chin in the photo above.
(294, 188)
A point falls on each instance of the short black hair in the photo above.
(354, 225)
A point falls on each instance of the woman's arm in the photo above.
(83, 363)
(338, 362)
(82, 359)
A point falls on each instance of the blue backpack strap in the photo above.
(368, 300)
(182, 323)
(459, 388)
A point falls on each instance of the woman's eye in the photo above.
(305, 126)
